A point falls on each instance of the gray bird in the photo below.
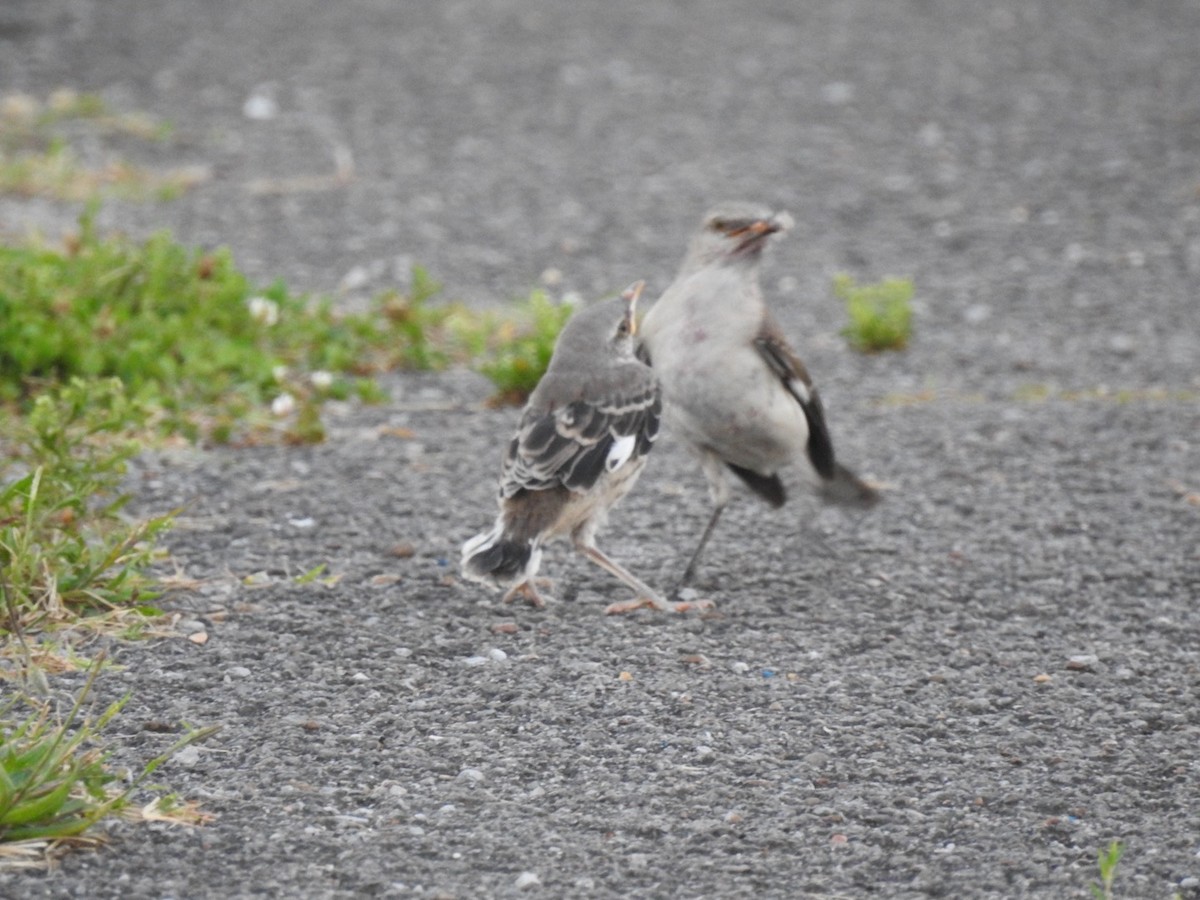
(733, 388)
(580, 446)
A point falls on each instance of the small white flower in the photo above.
(283, 405)
(279, 373)
(263, 310)
(321, 380)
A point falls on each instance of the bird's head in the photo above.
(736, 232)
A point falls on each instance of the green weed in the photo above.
(65, 549)
(36, 157)
(190, 338)
(880, 314)
(519, 349)
(1107, 861)
(55, 783)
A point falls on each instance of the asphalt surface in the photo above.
(964, 693)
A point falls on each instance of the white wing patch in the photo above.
(800, 390)
(622, 449)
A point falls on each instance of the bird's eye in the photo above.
(718, 224)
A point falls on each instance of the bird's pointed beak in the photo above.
(753, 236)
(781, 221)
(630, 295)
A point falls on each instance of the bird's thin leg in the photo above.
(718, 490)
(646, 595)
(690, 572)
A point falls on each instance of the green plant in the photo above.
(190, 338)
(65, 550)
(1107, 861)
(55, 784)
(522, 347)
(880, 314)
(37, 160)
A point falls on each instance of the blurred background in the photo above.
(1033, 167)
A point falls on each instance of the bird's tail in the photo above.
(495, 559)
(847, 489)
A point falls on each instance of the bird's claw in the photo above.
(684, 606)
(528, 591)
(657, 603)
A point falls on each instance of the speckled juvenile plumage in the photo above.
(734, 390)
(581, 443)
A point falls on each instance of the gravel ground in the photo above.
(964, 693)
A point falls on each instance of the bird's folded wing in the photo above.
(795, 379)
(573, 444)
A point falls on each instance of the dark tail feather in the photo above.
(489, 557)
(769, 487)
(847, 489)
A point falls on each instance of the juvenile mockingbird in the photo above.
(733, 388)
(580, 446)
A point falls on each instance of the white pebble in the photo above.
(188, 757)
(260, 107)
(472, 775)
(837, 93)
(360, 677)
(497, 655)
(355, 278)
(306, 522)
(740, 667)
(237, 672)
(475, 661)
(527, 880)
(977, 313)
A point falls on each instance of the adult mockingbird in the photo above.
(580, 446)
(734, 390)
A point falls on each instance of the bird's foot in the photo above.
(696, 605)
(629, 606)
(650, 601)
(528, 590)
(689, 600)
(657, 603)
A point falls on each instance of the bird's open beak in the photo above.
(753, 236)
(630, 295)
(762, 228)
(781, 221)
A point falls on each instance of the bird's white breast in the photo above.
(719, 392)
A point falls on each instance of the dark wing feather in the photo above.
(569, 444)
(794, 377)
